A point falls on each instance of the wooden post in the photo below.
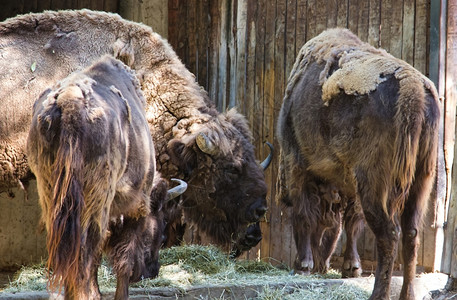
(437, 69)
(153, 13)
(449, 263)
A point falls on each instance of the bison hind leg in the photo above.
(324, 243)
(411, 223)
(386, 229)
(353, 225)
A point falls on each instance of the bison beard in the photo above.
(358, 130)
(92, 153)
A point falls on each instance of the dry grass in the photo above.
(187, 266)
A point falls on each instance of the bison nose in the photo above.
(256, 212)
(260, 212)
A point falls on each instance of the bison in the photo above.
(91, 150)
(358, 130)
(212, 151)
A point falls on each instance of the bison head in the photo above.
(226, 185)
(134, 244)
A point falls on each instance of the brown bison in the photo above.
(91, 150)
(358, 129)
(212, 151)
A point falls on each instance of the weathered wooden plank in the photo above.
(290, 53)
(29, 6)
(386, 17)
(260, 21)
(311, 30)
(173, 24)
(5, 234)
(291, 46)
(202, 42)
(277, 247)
(300, 35)
(154, 13)
(268, 106)
(249, 96)
(110, 5)
(353, 15)
(408, 31)
(223, 66)
(396, 28)
(32, 242)
(183, 45)
(363, 20)
(43, 5)
(343, 13)
(61, 4)
(374, 22)
(438, 23)
(192, 36)
(420, 35)
(126, 9)
(232, 46)
(249, 91)
(332, 13)
(97, 4)
(449, 122)
(449, 259)
(288, 237)
(213, 44)
(321, 16)
(85, 4)
(241, 52)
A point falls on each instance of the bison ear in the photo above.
(158, 193)
(183, 155)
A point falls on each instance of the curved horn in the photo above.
(205, 144)
(177, 190)
(267, 160)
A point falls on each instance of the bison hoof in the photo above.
(303, 272)
(304, 267)
(351, 269)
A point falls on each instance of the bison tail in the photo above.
(409, 120)
(282, 193)
(67, 200)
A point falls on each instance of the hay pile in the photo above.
(187, 266)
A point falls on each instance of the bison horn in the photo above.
(205, 144)
(267, 160)
(177, 190)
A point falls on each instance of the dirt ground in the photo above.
(6, 277)
(427, 287)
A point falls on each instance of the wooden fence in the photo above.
(242, 52)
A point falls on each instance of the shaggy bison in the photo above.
(92, 153)
(357, 127)
(212, 151)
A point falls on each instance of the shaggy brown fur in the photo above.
(364, 124)
(91, 151)
(226, 189)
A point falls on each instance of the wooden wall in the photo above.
(242, 52)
